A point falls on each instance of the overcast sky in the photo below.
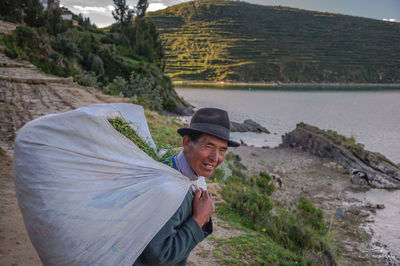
(99, 11)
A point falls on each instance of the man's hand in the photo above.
(203, 207)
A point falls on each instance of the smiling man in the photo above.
(205, 143)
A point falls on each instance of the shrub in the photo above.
(10, 53)
(232, 190)
(264, 184)
(87, 79)
(235, 161)
(254, 205)
(54, 64)
(147, 92)
(311, 215)
(25, 37)
(95, 64)
(248, 202)
(169, 104)
(288, 230)
(106, 40)
(65, 45)
(218, 174)
(117, 85)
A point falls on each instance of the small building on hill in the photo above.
(66, 14)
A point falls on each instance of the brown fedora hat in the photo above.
(212, 121)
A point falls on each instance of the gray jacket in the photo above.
(173, 243)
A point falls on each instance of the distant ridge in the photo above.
(224, 40)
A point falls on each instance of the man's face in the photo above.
(205, 154)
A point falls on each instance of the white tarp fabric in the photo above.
(88, 195)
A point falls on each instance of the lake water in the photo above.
(372, 117)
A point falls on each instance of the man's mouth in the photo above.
(209, 166)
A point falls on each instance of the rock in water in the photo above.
(248, 126)
(371, 167)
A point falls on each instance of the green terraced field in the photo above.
(236, 41)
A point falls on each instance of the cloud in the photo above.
(102, 15)
(94, 9)
(156, 6)
(389, 19)
(110, 8)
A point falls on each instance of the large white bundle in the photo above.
(88, 195)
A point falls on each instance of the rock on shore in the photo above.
(248, 126)
(374, 168)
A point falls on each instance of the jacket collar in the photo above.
(184, 167)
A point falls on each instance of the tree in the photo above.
(29, 11)
(50, 5)
(150, 45)
(141, 8)
(122, 13)
(34, 13)
(11, 10)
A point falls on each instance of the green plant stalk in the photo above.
(124, 128)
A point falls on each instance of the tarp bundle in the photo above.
(88, 195)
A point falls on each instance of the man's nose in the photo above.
(213, 156)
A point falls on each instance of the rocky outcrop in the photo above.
(248, 126)
(373, 167)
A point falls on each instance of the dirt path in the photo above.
(15, 246)
(26, 94)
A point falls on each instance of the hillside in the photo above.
(237, 41)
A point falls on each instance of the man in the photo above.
(205, 143)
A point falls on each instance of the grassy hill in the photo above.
(237, 41)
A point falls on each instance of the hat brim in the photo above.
(188, 131)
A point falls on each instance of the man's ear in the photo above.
(185, 141)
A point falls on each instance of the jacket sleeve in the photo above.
(175, 240)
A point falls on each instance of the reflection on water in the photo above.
(372, 117)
